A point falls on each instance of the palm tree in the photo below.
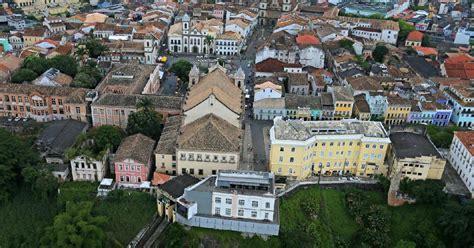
(144, 104)
(209, 39)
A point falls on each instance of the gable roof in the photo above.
(210, 133)
(415, 36)
(219, 84)
(137, 147)
(175, 187)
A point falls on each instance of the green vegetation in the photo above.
(24, 218)
(145, 121)
(442, 136)
(95, 143)
(379, 53)
(127, 212)
(352, 218)
(24, 75)
(91, 47)
(346, 44)
(362, 63)
(181, 69)
(88, 76)
(76, 227)
(405, 29)
(425, 191)
(426, 41)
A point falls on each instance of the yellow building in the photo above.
(33, 35)
(300, 148)
(414, 156)
(165, 151)
(343, 103)
(397, 111)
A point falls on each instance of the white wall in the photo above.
(214, 106)
(463, 162)
(247, 208)
(266, 93)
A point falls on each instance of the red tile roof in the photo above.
(272, 65)
(415, 36)
(461, 66)
(307, 39)
(467, 139)
(159, 178)
(426, 51)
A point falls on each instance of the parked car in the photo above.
(18, 118)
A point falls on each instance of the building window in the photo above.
(267, 204)
(217, 211)
(183, 171)
(228, 201)
(213, 172)
(191, 171)
(241, 202)
(293, 149)
(217, 200)
(292, 160)
(280, 159)
(255, 204)
(241, 212)
(200, 172)
(227, 211)
(254, 214)
(266, 216)
(282, 149)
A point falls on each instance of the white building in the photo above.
(267, 90)
(238, 26)
(241, 201)
(16, 21)
(228, 43)
(194, 36)
(86, 168)
(461, 157)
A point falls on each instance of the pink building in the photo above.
(133, 160)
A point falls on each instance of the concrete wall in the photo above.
(230, 224)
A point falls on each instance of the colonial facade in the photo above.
(133, 160)
(301, 148)
(461, 157)
(43, 103)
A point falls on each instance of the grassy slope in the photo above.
(336, 216)
(24, 218)
(127, 215)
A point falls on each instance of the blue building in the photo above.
(461, 100)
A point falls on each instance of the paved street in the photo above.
(255, 147)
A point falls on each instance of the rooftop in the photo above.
(130, 101)
(415, 36)
(467, 139)
(60, 135)
(361, 104)
(298, 79)
(303, 130)
(169, 135)
(210, 133)
(293, 101)
(175, 187)
(270, 103)
(411, 145)
(239, 182)
(125, 79)
(137, 147)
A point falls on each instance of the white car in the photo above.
(10, 118)
(18, 118)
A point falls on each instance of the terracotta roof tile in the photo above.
(137, 147)
(415, 36)
(467, 139)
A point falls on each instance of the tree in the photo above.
(425, 191)
(92, 47)
(84, 80)
(145, 104)
(405, 244)
(24, 75)
(208, 40)
(106, 137)
(76, 227)
(66, 64)
(43, 184)
(221, 61)
(426, 41)
(441, 136)
(346, 44)
(145, 121)
(36, 64)
(457, 223)
(181, 69)
(379, 53)
(14, 156)
(405, 29)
